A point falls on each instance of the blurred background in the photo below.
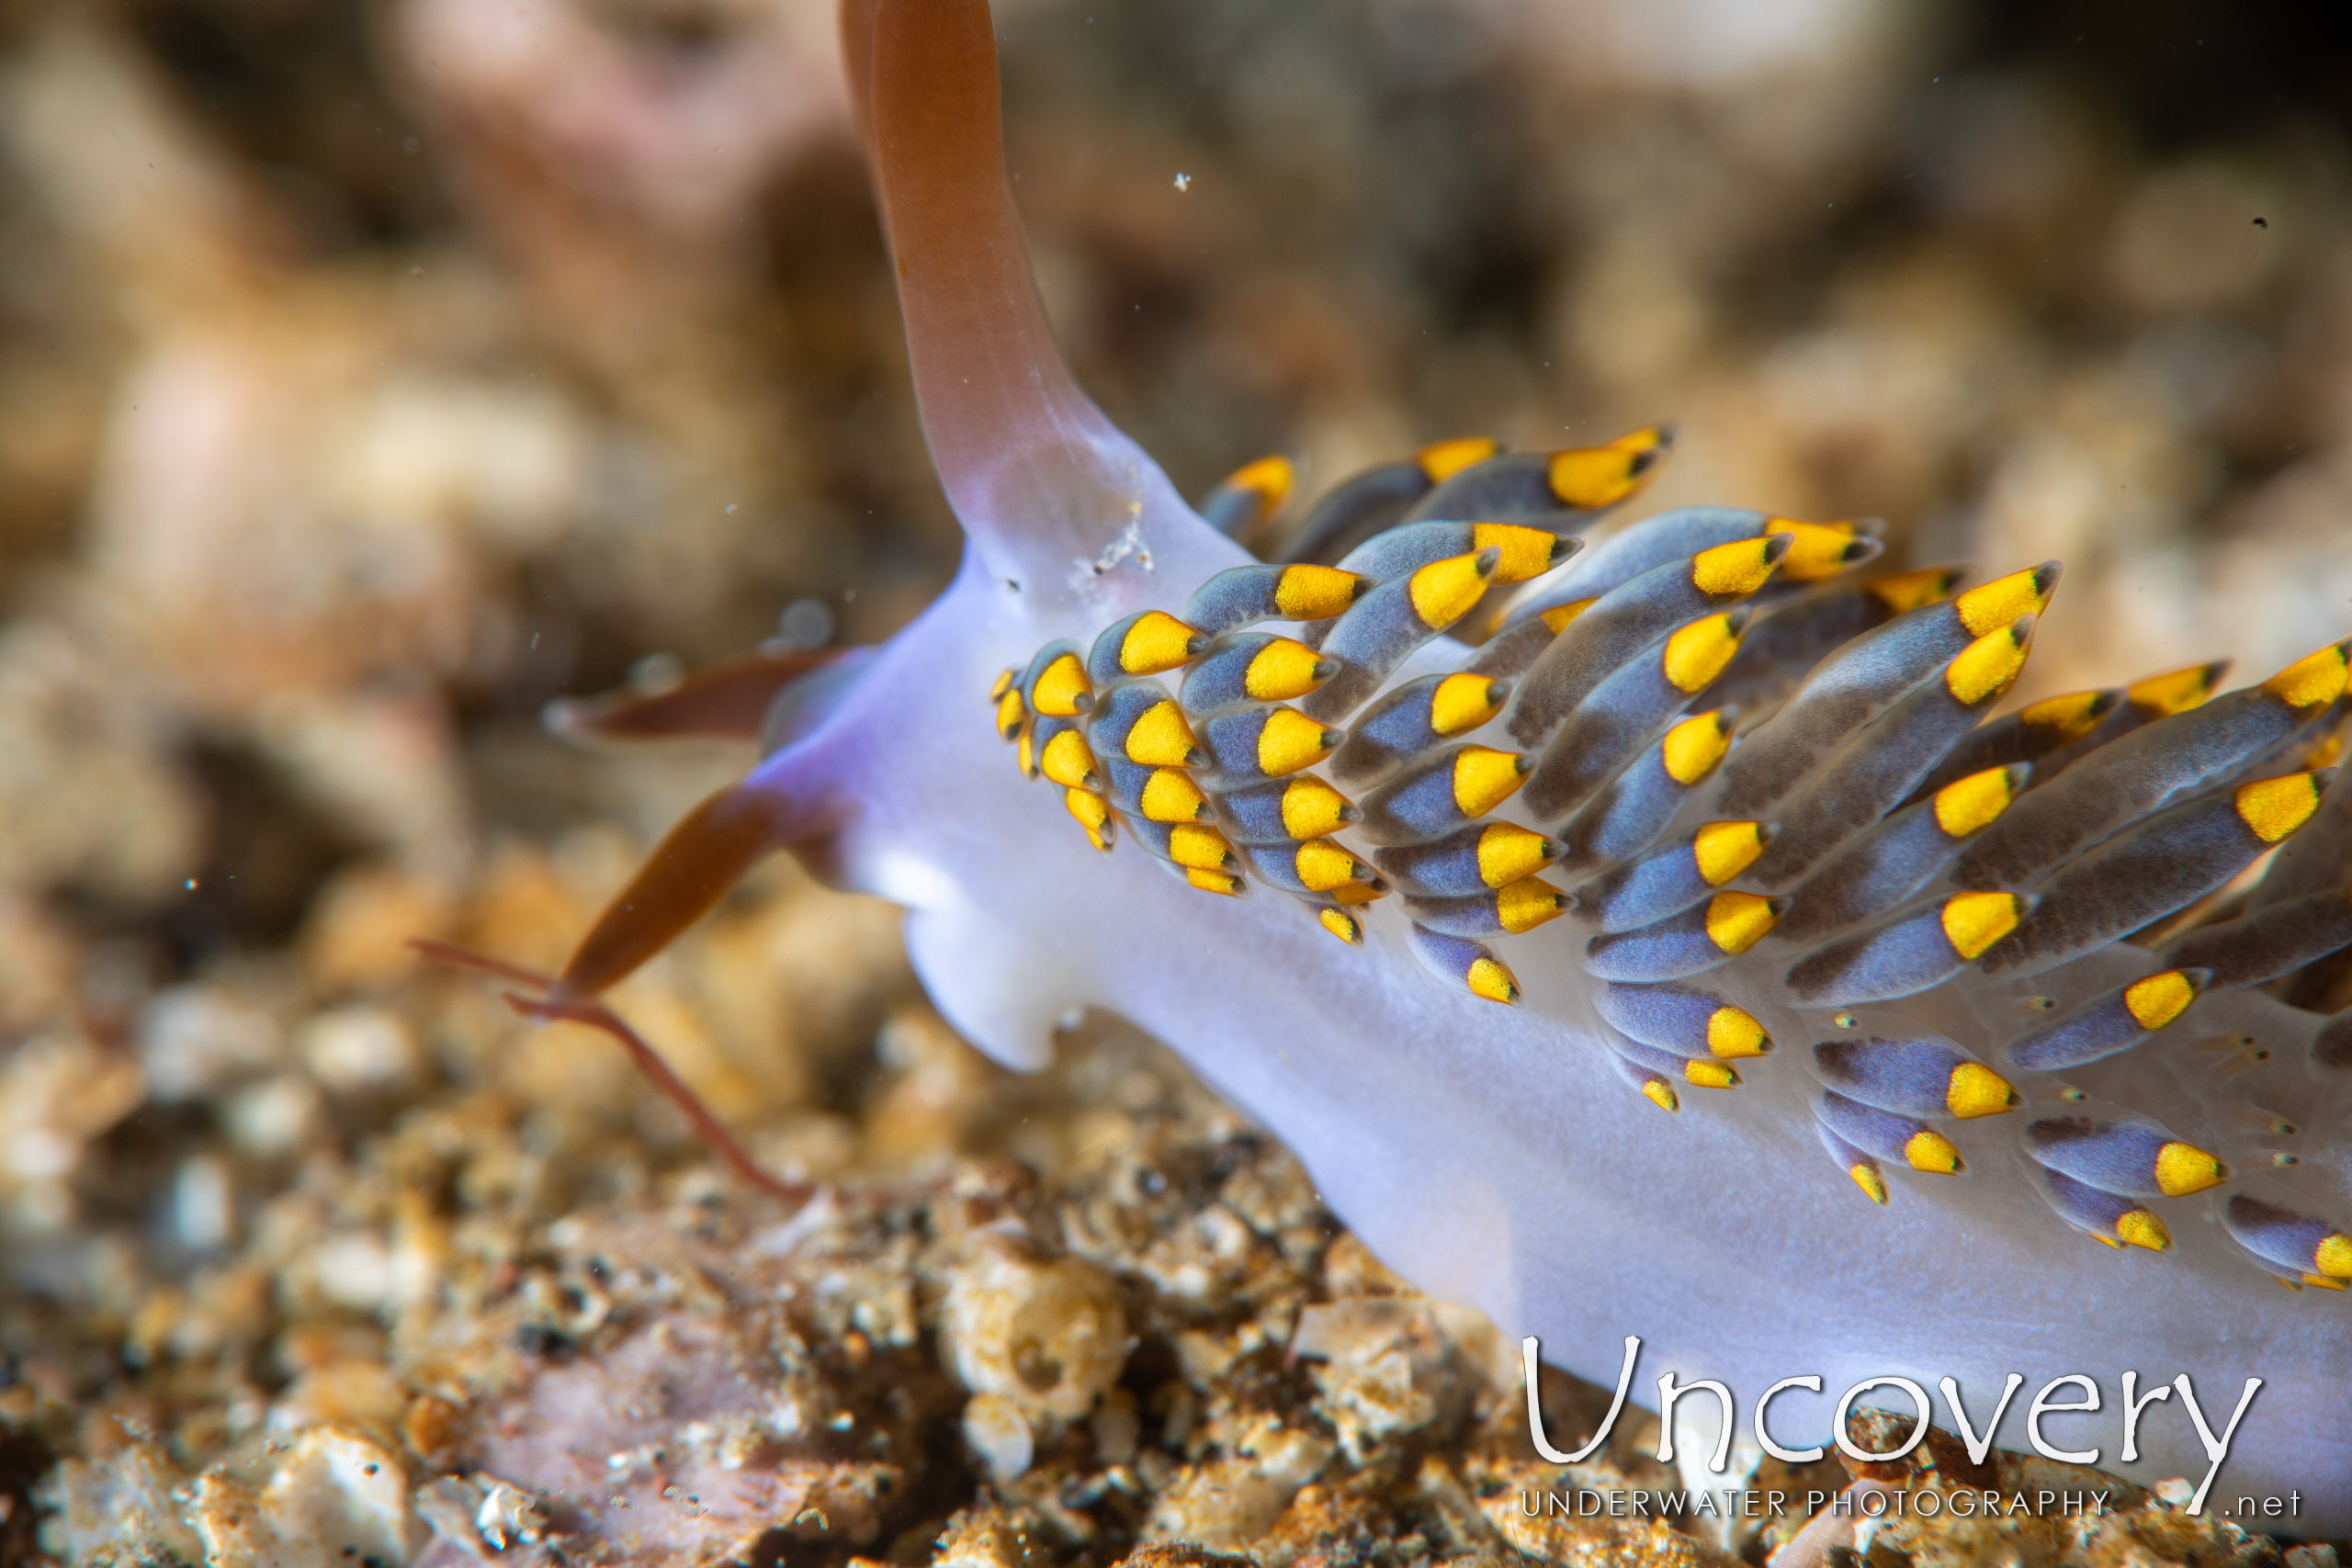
(374, 371)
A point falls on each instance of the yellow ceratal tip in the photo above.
(1710, 1074)
(1930, 1151)
(1507, 852)
(1094, 815)
(1062, 690)
(1974, 1089)
(1559, 617)
(1341, 924)
(1356, 893)
(1323, 865)
(1199, 847)
(1170, 795)
(1224, 882)
(1312, 808)
(1867, 1178)
(1733, 1033)
(2002, 600)
(1284, 669)
(1161, 739)
(1739, 568)
(1158, 642)
(1722, 849)
(2183, 1168)
(1011, 717)
(2138, 1227)
(2158, 999)
(1969, 806)
(1738, 921)
(2332, 1256)
(1528, 903)
(1465, 701)
(1697, 654)
(1489, 978)
(1661, 1094)
(1290, 740)
(1588, 477)
(2177, 691)
(2314, 679)
(1817, 549)
(1521, 552)
(2276, 807)
(2068, 718)
(1001, 684)
(1974, 921)
(1483, 778)
(1025, 756)
(1441, 460)
(1068, 762)
(1443, 592)
(1902, 591)
(1270, 479)
(1692, 747)
(1316, 592)
(1988, 667)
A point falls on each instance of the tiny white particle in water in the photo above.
(1183, 181)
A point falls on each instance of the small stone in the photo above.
(1000, 1434)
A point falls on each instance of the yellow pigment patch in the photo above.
(1323, 865)
(1733, 1032)
(1697, 654)
(1284, 668)
(1316, 592)
(1738, 921)
(1067, 762)
(2158, 999)
(1660, 1094)
(1723, 850)
(1692, 747)
(2066, 719)
(1740, 567)
(1507, 852)
(2183, 1168)
(1988, 667)
(1867, 1177)
(2141, 1228)
(2004, 599)
(1902, 591)
(1465, 702)
(1521, 552)
(1443, 591)
(1974, 1089)
(1587, 477)
(2332, 1256)
(1291, 740)
(1093, 815)
(1025, 755)
(1483, 778)
(1001, 684)
(2311, 680)
(1816, 550)
(1341, 924)
(1441, 460)
(1932, 1151)
(1557, 618)
(1011, 717)
(1161, 739)
(2177, 691)
(1201, 849)
(1158, 642)
(1711, 1075)
(2276, 807)
(1268, 479)
(1974, 921)
(1170, 795)
(1208, 880)
(1062, 690)
(1528, 903)
(1489, 978)
(1969, 806)
(1312, 808)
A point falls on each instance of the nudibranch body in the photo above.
(1718, 807)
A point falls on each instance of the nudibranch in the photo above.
(1838, 1016)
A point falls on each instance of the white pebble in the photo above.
(1000, 1434)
